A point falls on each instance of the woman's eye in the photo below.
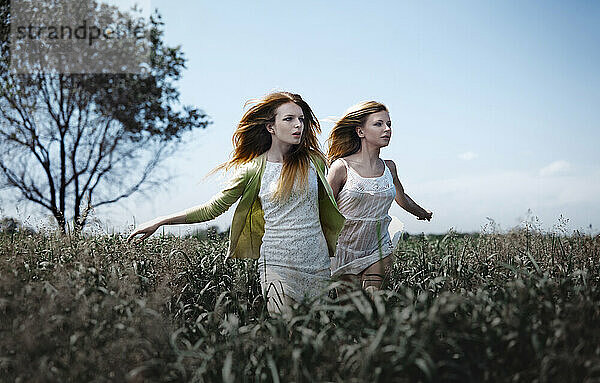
(378, 124)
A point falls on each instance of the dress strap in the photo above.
(388, 170)
(347, 170)
(385, 166)
(345, 163)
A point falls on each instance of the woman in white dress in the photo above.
(365, 186)
(287, 217)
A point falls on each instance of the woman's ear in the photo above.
(360, 132)
(270, 128)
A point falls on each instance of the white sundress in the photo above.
(293, 255)
(365, 239)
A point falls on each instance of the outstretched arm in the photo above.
(148, 228)
(404, 200)
(201, 213)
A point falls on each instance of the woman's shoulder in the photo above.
(338, 164)
(338, 169)
(256, 162)
(250, 168)
(391, 164)
(353, 158)
(393, 170)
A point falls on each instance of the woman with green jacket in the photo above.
(287, 217)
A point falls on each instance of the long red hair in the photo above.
(251, 139)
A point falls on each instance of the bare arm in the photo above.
(201, 213)
(148, 228)
(404, 200)
(336, 177)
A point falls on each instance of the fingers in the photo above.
(426, 217)
(134, 234)
(131, 237)
(144, 237)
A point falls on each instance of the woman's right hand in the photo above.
(146, 228)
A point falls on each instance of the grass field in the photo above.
(519, 306)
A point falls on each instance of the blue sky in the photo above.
(494, 105)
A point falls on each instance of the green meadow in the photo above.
(515, 306)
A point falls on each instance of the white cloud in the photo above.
(467, 156)
(556, 167)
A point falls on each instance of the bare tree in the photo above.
(72, 142)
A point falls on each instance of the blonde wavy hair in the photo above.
(343, 139)
(251, 139)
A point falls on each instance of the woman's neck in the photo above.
(368, 154)
(277, 151)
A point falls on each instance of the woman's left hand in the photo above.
(427, 216)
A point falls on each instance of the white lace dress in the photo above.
(365, 239)
(294, 258)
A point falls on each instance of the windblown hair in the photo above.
(251, 139)
(343, 139)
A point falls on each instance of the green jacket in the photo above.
(248, 225)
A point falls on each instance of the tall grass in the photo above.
(521, 306)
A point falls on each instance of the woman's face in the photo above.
(289, 124)
(377, 129)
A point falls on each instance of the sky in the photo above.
(494, 105)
